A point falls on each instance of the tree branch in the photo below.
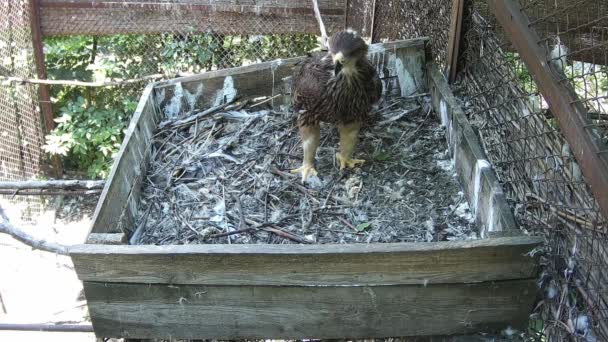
(7, 228)
(54, 185)
(7, 80)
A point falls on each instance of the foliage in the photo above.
(88, 136)
(91, 120)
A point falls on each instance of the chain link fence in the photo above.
(522, 138)
(535, 163)
(21, 124)
(127, 40)
(20, 120)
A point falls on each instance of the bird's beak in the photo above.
(338, 58)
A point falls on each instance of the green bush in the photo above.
(90, 121)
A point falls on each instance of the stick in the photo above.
(75, 83)
(347, 223)
(47, 327)
(49, 193)
(320, 22)
(7, 228)
(284, 234)
(193, 118)
(54, 185)
(300, 188)
(2, 303)
(398, 116)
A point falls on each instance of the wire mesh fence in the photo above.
(21, 125)
(540, 175)
(522, 138)
(157, 41)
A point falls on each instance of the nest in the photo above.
(222, 176)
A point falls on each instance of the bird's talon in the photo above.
(306, 171)
(347, 162)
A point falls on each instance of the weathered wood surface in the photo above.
(117, 205)
(239, 312)
(73, 17)
(454, 39)
(107, 239)
(400, 65)
(357, 264)
(53, 185)
(480, 184)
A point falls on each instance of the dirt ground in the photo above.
(40, 287)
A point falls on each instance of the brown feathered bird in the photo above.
(339, 86)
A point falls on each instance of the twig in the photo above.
(416, 96)
(239, 207)
(399, 116)
(7, 228)
(193, 118)
(74, 83)
(416, 130)
(299, 187)
(2, 303)
(134, 240)
(276, 230)
(347, 223)
(265, 100)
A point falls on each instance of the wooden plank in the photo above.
(363, 264)
(479, 181)
(129, 166)
(454, 39)
(46, 106)
(251, 312)
(197, 16)
(562, 100)
(107, 239)
(184, 94)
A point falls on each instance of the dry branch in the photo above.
(7, 228)
(5, 80)
(49, 192)
(54, 185)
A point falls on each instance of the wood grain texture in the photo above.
(356, 264)
(493, 214)
(129, 167)
(239, 312)
(186, 94)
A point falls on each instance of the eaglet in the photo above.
(339, 87)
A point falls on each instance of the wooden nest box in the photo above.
(305, 291)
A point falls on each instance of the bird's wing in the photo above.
(373, 88)
(310, 81)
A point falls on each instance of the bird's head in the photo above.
(346, 48)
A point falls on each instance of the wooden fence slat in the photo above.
(248, 312)
(364, 264)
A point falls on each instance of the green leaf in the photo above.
(363, 226)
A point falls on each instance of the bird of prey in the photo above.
(338, 87)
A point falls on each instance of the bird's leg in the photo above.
(348, 141)
(310, 141)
